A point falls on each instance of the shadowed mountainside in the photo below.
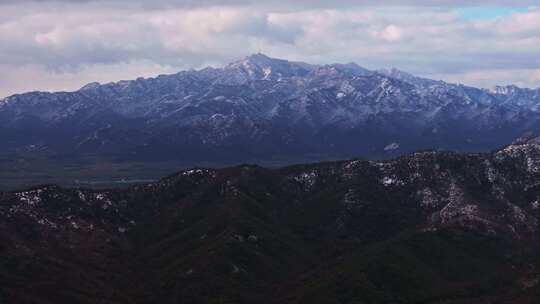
(429, 227)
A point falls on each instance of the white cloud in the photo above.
(390, 33)
(535, 76)
(491, 77)
(527, 23)
(36, 77)
(57, 45)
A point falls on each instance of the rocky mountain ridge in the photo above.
(260, 108)
(428, 227)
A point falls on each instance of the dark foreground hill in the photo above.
(430, 227)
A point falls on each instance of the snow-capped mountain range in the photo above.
(260, 107)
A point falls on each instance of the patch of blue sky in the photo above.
(488, 12)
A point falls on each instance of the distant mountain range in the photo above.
(261, 108)
(429, 227)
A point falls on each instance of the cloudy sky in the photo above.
(62, 44)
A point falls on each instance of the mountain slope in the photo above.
(429, 227)
(261, 108)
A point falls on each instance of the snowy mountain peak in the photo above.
(397, 73)
(352, 68)
(527, 139)
(261, 67)
(256, 61)
(409, 78)
(260, 59)
(505, 90)
(90, 86)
